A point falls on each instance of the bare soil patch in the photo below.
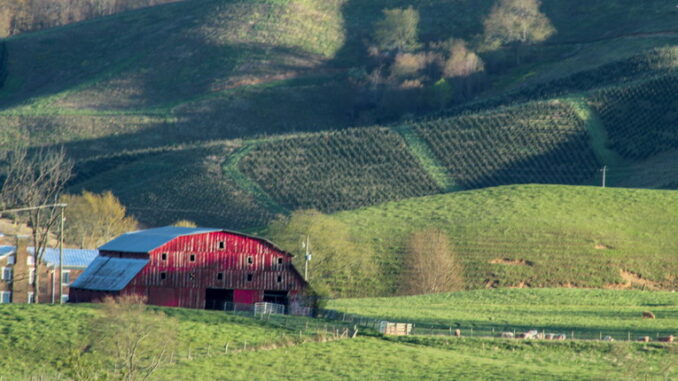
(511, 262)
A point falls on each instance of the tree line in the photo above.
(18, 16)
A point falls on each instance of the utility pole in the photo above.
(307, 257)
(604, 170)
(61, 256)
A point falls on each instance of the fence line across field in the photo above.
(496, 330)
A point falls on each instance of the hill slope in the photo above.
(537, 235)
(130, 93)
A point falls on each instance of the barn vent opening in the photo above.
(222, 245)
(279, 279)
(250, 260)
(163, 256)
(220, 276)
(280, 261)
(249, 277)
(163, 276)
(191, 258)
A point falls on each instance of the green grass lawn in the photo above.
(588, 313)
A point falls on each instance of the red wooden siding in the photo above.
(186, 281)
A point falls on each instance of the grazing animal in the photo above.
(507, 335)
(648, 315)
(644, 339)
(457, 332)
(531, 334)
(667, 339)
(561, 336)
(608, 338)
(550, 336)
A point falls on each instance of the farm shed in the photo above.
(16, 267)
(192, 267)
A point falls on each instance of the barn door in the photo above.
(216, 298)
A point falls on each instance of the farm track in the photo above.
(248, 185)
(426, 157)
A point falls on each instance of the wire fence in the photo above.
(504, 330)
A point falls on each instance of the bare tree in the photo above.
(136, 340)
(430, 264)
(397, 30)
(32, 181)
(517, 22)
(464, 66)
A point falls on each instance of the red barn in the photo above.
(192, 267)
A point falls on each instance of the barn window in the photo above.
(280, 261)
(163, 256)
(163, 276)
(220, 276)
(279, 278)
(249, 277)
(191, 258)
(250, 260)
(222, 245)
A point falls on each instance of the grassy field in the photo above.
(590, 314)
(35, 338)
(40, 337)
(537, 235)
(438, 359)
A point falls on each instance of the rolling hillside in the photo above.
(232, 112)
(537, 235)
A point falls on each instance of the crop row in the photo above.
(533, 143)
(338, 170)
(641, 120)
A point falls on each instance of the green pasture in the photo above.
(588, 313)
(536, 235)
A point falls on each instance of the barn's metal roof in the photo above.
(143, 241)
(109, 273)
(78, 258)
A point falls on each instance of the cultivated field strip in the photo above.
(641, 120)
(539, 142)
(338, 170)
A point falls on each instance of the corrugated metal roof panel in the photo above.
(109, 274)
(143, 241)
